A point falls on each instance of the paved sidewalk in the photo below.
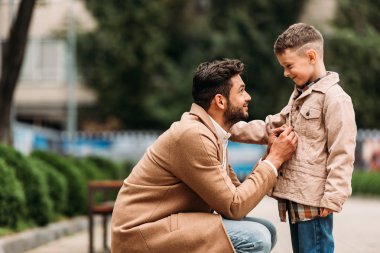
(76, 243)
(356, 229)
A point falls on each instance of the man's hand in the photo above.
(325, 211)
(274, 134)
(283, 147)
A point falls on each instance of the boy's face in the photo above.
(298, 66)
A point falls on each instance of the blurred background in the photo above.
(97, 78)
(108, 77)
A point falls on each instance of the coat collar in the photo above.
(322, 85)
(204, 117)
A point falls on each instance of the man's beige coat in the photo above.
(167, 203)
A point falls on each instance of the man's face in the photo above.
(297, 66)
(237, 104)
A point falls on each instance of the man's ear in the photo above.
(220, 101)
(312, 55)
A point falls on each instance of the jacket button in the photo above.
(308, 113)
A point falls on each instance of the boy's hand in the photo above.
(277, 131)
(325, 211)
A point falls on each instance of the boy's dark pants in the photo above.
(313, 236)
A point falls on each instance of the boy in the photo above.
(317, 180)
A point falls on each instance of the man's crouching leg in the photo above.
(251, 234)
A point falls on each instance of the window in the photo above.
(44, 61)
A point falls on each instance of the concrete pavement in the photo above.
(356, 229)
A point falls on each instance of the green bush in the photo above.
(12, 198)
(57, 185)
(76, 182)
(105, 166)
(88, 169)
(127, 167)
(365, 183)
(355, 40)
(34, 184)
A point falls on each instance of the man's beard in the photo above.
(234, 114)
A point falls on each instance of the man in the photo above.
(183, 196)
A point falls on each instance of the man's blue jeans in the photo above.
(251, 234)
(313, 236)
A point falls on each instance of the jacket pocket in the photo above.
(311, 122)
(310, 113)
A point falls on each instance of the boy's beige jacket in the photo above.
(319, 173)
(166, 204)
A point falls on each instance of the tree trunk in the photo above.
(13, 55)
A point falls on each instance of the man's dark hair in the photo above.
(213, 78)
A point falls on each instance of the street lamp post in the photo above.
(71, 78)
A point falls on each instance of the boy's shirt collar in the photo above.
(300, 90)
(322, 85)
(308, 85)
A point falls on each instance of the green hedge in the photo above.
(366, 183)
(88, 169)
(38, 189)
(57, 185)
(34, 185)
(110, 169)
(127, 167)
(76, 181)
(12, 198)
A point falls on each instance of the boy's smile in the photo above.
(298, 66)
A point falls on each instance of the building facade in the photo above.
(46, 87)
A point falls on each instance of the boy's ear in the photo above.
(312, 55)
(220, 101)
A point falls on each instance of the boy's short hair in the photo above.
(298, 36)
(213, 78)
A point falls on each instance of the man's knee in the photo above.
(261, 237)
(248, 236)
(268, 225)
(256, 238)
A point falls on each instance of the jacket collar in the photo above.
(322, 85)
(204, 117)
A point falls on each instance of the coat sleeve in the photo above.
(341, 130)
(196, 164)
(233, 177)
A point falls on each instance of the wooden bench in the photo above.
(101, 196)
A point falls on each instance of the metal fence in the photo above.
(131, 145)
(125, 145)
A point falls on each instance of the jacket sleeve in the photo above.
(257, 131)
(341, 130)
(254, 132)
(201, 170)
